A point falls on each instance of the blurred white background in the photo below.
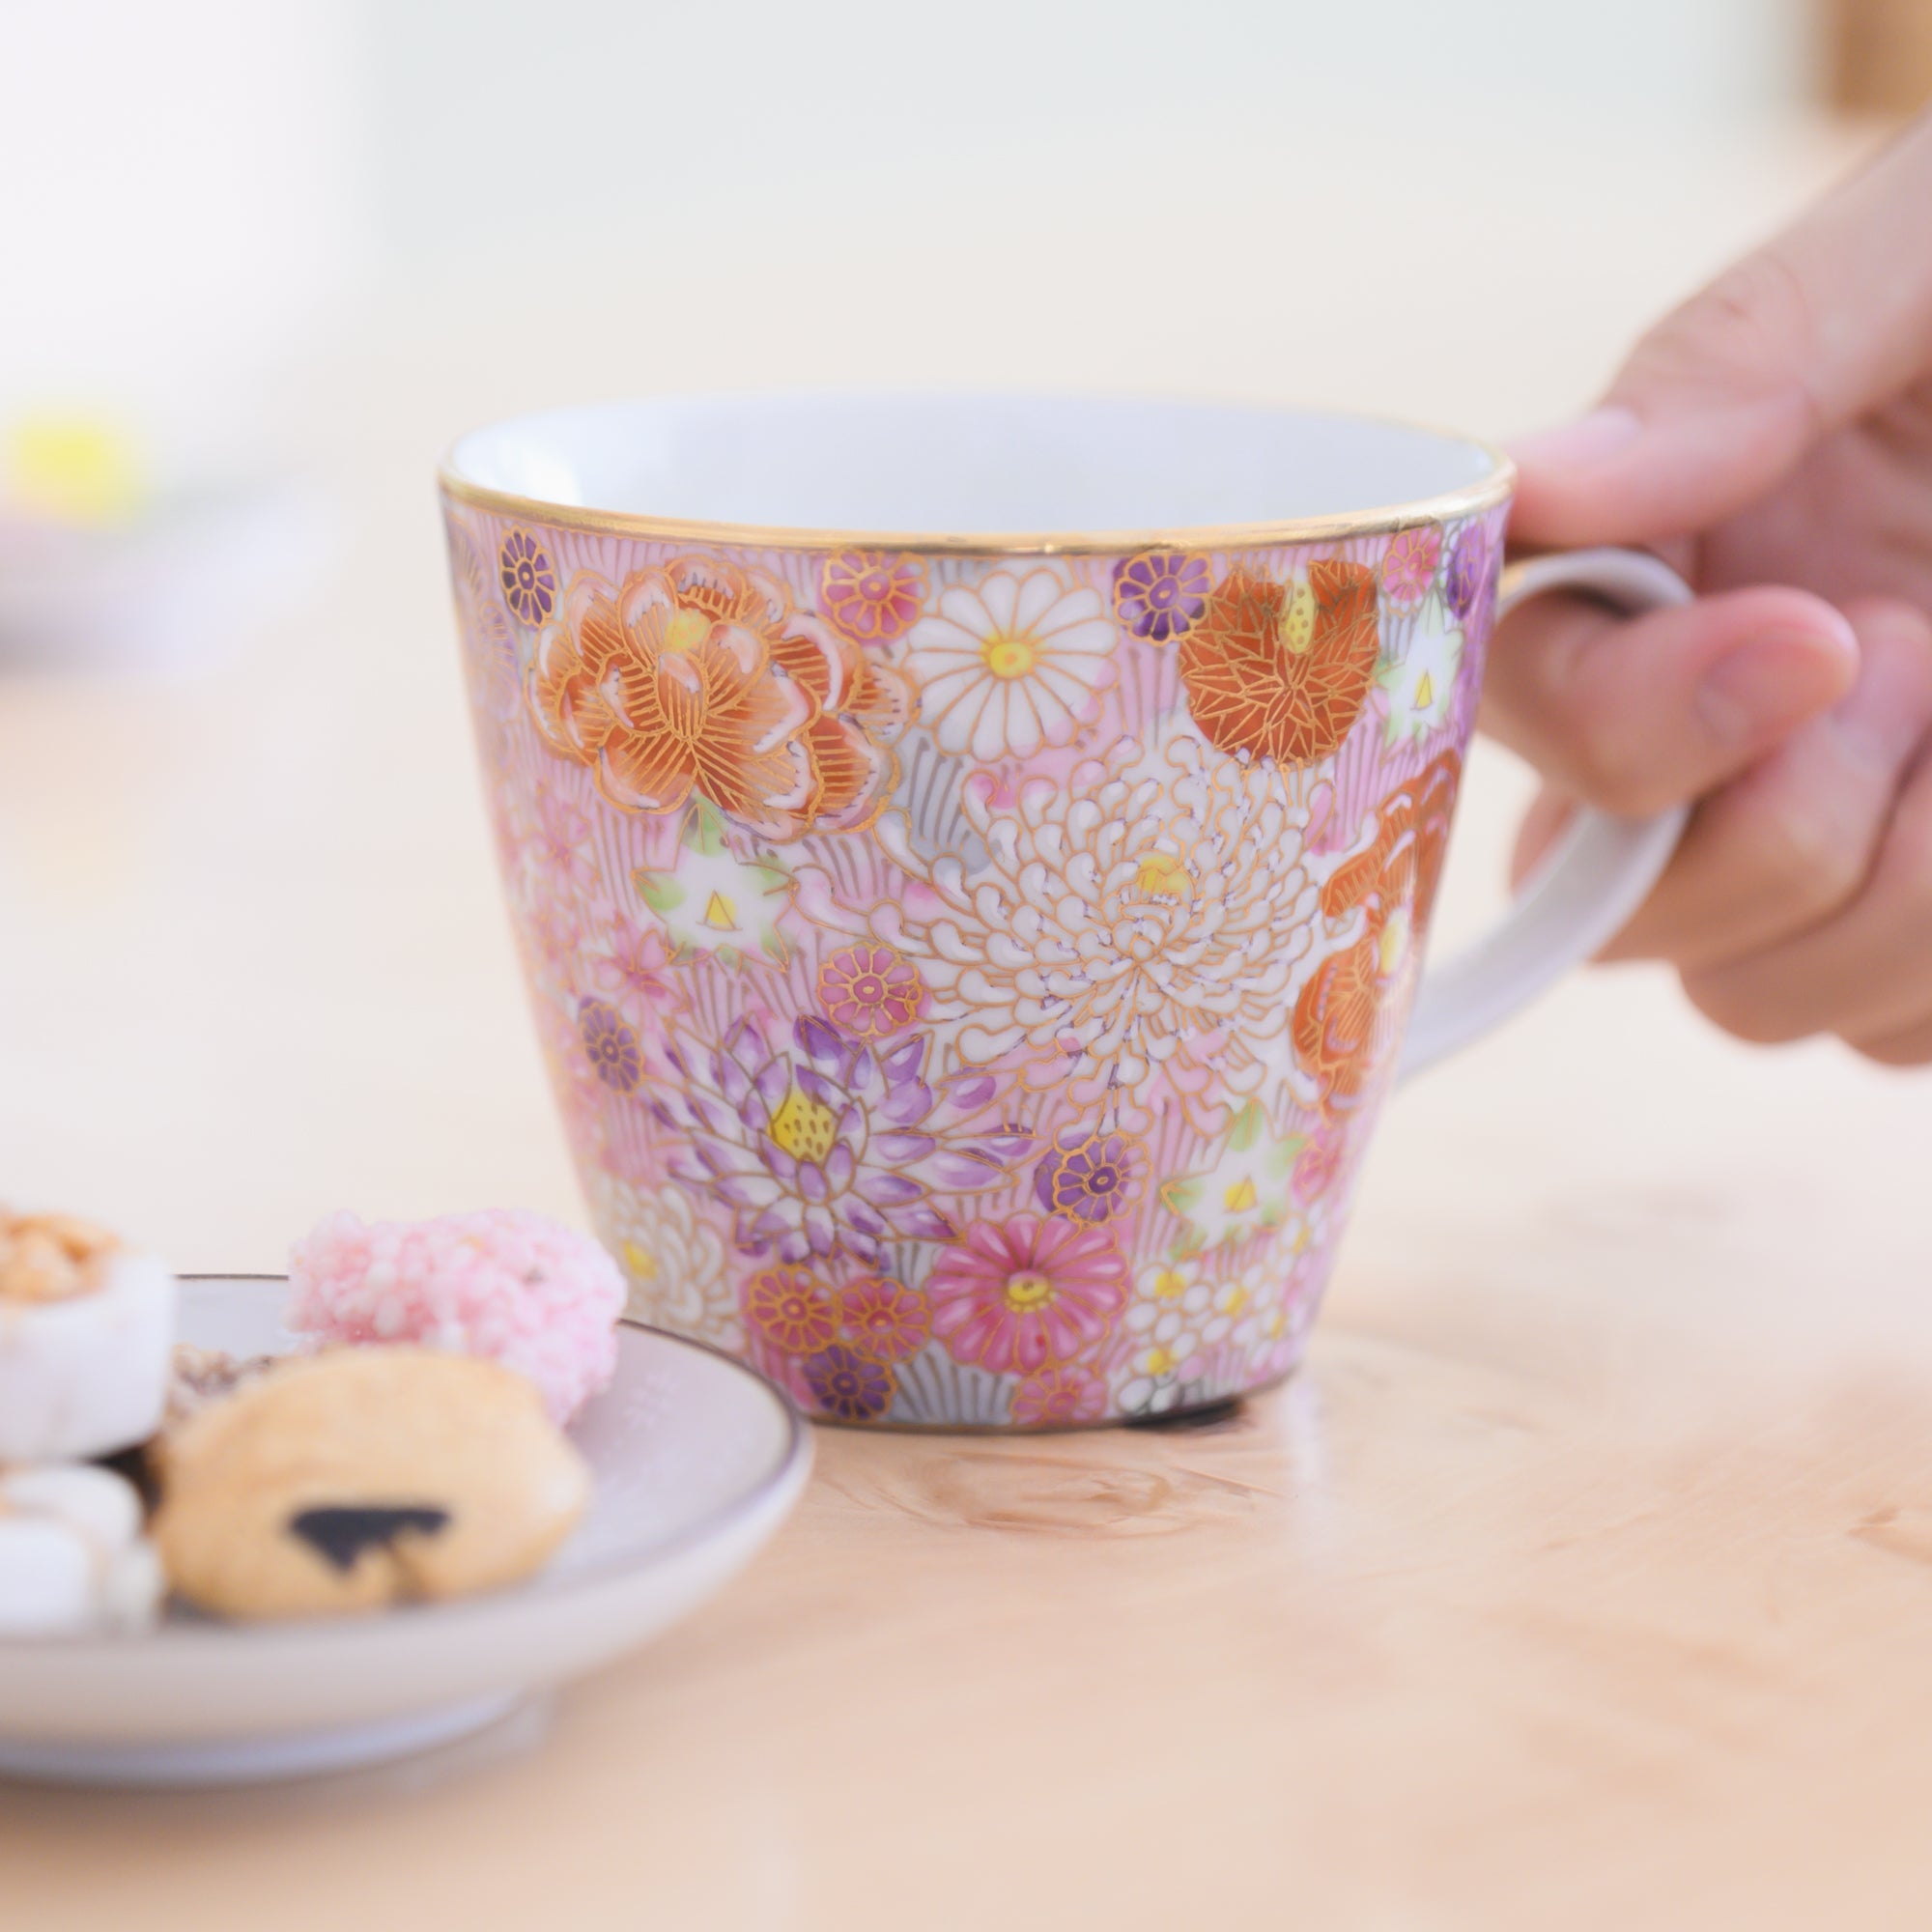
(252, 963)
(1309, 199)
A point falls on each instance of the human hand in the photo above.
(1775, 431)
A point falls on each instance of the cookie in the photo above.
(85, 1331)
(361, 1479)
(73, 1559)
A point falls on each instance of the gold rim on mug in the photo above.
(1446, 507)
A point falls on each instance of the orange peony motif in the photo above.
(1283, 674)
(702, 679)
(1343, 1026)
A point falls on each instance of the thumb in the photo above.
(1721, 401)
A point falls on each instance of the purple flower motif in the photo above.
(853, 1388)
(1161, 593)
(609, 1045)
(828, 1146)
(1090, 1176)
(1472, 569)
(529, 578)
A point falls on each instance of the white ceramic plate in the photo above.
(697, 1461)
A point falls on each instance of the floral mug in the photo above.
(972, 857)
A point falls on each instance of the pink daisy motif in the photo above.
(1026, 1294)
(870, 992)
(885, 1317)
(1055, 1397)
(1409, 566)
(871, 596)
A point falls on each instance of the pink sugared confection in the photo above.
(512, 1286)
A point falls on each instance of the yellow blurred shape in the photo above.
(76, 470)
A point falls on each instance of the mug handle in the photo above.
(1595, 876)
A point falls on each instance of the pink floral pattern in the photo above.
(955, 972)
(886, 1317)
(871, 596)
(628, 965)
(1060, 1397)
(790, 1309)
(1023, 1294)
(870, 992)
(1408, 567)
(560, 848)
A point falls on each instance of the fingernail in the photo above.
(1777, 680)
(1580, 445)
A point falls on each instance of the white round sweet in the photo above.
(47, 1578)
(88, 1374)
(72, 1559)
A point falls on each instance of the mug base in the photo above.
(1209, 1413)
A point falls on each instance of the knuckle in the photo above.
(1750, 1012)
(1801, 855)
(1890, 623)
(1895, 652)
(1908, 855)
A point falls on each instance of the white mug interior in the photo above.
(965, 465)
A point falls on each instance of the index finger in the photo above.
(1720, 402)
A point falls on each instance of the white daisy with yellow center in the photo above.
(1013, 662)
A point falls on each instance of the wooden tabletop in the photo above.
(1584, 1577)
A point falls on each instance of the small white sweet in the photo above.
(72, 1559)
(85, 1336)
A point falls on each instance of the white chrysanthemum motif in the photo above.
(1011, 663)
(1170, 1317)
(675, 1261)
(1155, 916)
(1193, 1333)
